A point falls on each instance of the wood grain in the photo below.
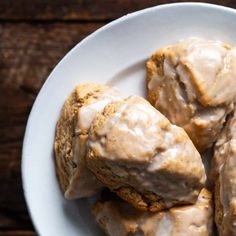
(17, 233)
(83, 10)
(28, 52)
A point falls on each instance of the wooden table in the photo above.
(34, 36)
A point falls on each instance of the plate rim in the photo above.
(24, 159)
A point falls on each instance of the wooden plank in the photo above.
(28, 52)
(80, 9)
(37, 45)
(17, 233)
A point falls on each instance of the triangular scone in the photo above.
(193, 83)
(72, 129)
(118, 218)
(135, 151)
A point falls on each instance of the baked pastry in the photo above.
(136, 152)
(193, 84)
(224, 175)
(222, 145)
(117, 218)
(72, 128)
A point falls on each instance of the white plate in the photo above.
(114, 54)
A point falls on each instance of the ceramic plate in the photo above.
(114, 54)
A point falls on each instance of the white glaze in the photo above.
(137, 125)
(139, 142)
(88, 112)
(212, 65)
(165, 226)
(190, 79)
(122, 219)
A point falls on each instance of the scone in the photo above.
(117, 218)
(72, 128)
(193, 84)
(136, 152)
(222, 145)
(224, 166)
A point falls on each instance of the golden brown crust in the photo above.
(223, 222)
(218, 205)
(63, 142)
(145, 202)
(154, 66)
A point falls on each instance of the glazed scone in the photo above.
(193, 84)
(224, 174)
(87, 99)
(118, 218)
(136, 152)
(222, 146)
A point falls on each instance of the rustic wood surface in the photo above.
(84, 10)
(34, 36)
